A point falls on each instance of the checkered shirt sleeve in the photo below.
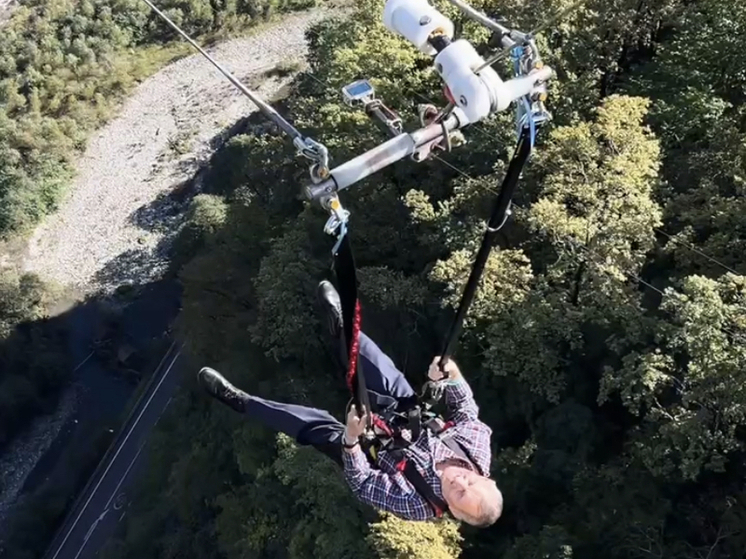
(460, 401)
(389, 492)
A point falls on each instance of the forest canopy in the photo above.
(605, 346)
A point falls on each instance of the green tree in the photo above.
(34, 362)
(688, 384)
(393, 538)
(64, 66)
(616, 416)
(698, 113)
(549, 543)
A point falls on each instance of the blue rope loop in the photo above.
(525, 115)
(340, 236)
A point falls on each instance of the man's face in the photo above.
(463, 489)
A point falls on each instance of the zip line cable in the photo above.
(510, 41)
(306, 146)
(267, 109)
(696, 250)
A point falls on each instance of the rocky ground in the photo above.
(24, 452)
(6, 6)
(115, 226)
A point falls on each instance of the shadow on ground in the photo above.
(119, 339)
(114, 342)
(165, 216)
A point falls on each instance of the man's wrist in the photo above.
(455, 379)
(349, 442)
(352, 449)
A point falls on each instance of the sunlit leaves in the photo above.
(607, 404)
(393, 538)
(505, 281)
(690, 386)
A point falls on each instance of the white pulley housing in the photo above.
(416, 20)
(476, 94)
(479, 95)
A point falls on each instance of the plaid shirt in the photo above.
(388, 490)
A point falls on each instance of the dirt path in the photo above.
(116, 224)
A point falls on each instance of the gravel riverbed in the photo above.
(6, 7)
(114, 227)
(25, 451)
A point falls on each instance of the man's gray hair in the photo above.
(490, 510)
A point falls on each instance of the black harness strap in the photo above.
(497, 220)
(344, 267)
(440, 429)
(422, 487)
(396, 445)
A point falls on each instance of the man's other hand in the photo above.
(355, 425)
(450, 370)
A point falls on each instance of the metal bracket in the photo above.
(337, 221)
(388, 118)
(429, 114)
(316, 152)
(362, 93)
(530, 112)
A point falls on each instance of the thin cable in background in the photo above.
(478, 128)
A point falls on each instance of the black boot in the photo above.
(329, 299)
(216, 386)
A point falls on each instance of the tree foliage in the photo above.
(34, 363)
(64, 66)
(605, 353)
(393, 538)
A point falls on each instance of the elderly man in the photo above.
(460, 479)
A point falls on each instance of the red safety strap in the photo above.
(382, 425)
(354, 348)
(344, 266)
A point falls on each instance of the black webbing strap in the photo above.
(497, 219)
(437, 426)
(422, 487)
(440, 429)
(396, 446)
(344, 267)
(414, 422)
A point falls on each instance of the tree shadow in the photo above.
(163, 214)
(66, 383)
(166, 215)
(133, 267)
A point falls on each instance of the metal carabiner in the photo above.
(337, 221)
(316, 152)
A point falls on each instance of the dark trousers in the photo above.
(387, 388)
